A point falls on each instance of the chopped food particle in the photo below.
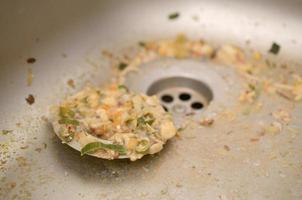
(123, 87)
(142, 44)
(70, 83)
(275, 48)
(207, 122)
(5, 132)
(174, 15)
(257, 55)
(282, 116)
(226, 147)
(30, 99)
(254, 139)
(31, 60)
(94, 146)
(122, 66)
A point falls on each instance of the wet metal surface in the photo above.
(229, 160)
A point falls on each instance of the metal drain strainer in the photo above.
(184, 86)
(181, 95)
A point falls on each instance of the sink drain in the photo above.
(184, 87)
(181, 95)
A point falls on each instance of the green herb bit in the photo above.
(145, 119)
(173, 16)
(142, 146)
(66, 112)
(275, 48)
(68, 138)
(122, 66)
(94, 146)
(69, 121)
(5, 132)
(123, 87)
(142, 44)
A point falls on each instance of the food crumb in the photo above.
(226, 147)
(178, 185)
(207, 122)
(275, 48)
(5, 132)
(31, 60)
(24, 147)
(45, 119)
(70, 83)
(30, 99)
(164, 191)
(38, 150)
(282, 115)
(22, 162)
(254, 139)
(122, 66)
(173, 16)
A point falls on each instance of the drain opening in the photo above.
(184, 96)
(167, 98)
(192, 95)
(197, 105)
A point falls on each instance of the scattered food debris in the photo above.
(207, 122)
(30, 99)
(275, 48)
(178, 185)
(142, 44)
(30, 76)
(254, 139)
(38, 150)
(257, 55)
(174, 15)
(226, 147)
(70, 83)
(282, 116)
(44, 118)
(5, 132)
(31, 60)
(24, 147)
(274, 128)
(122, 66)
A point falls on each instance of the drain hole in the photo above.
(184, 96)
(167, 98)
(165, 108)
(197, 105)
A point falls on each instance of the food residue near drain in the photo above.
(31, 60)
(30, 99)
(112, 122)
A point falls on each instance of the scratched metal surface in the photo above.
(66, 38)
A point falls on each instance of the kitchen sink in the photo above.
(52, 49)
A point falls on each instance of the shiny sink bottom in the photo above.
(52, 49)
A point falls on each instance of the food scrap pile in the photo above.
(111, 122)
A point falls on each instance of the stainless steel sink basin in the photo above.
(63, 40)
